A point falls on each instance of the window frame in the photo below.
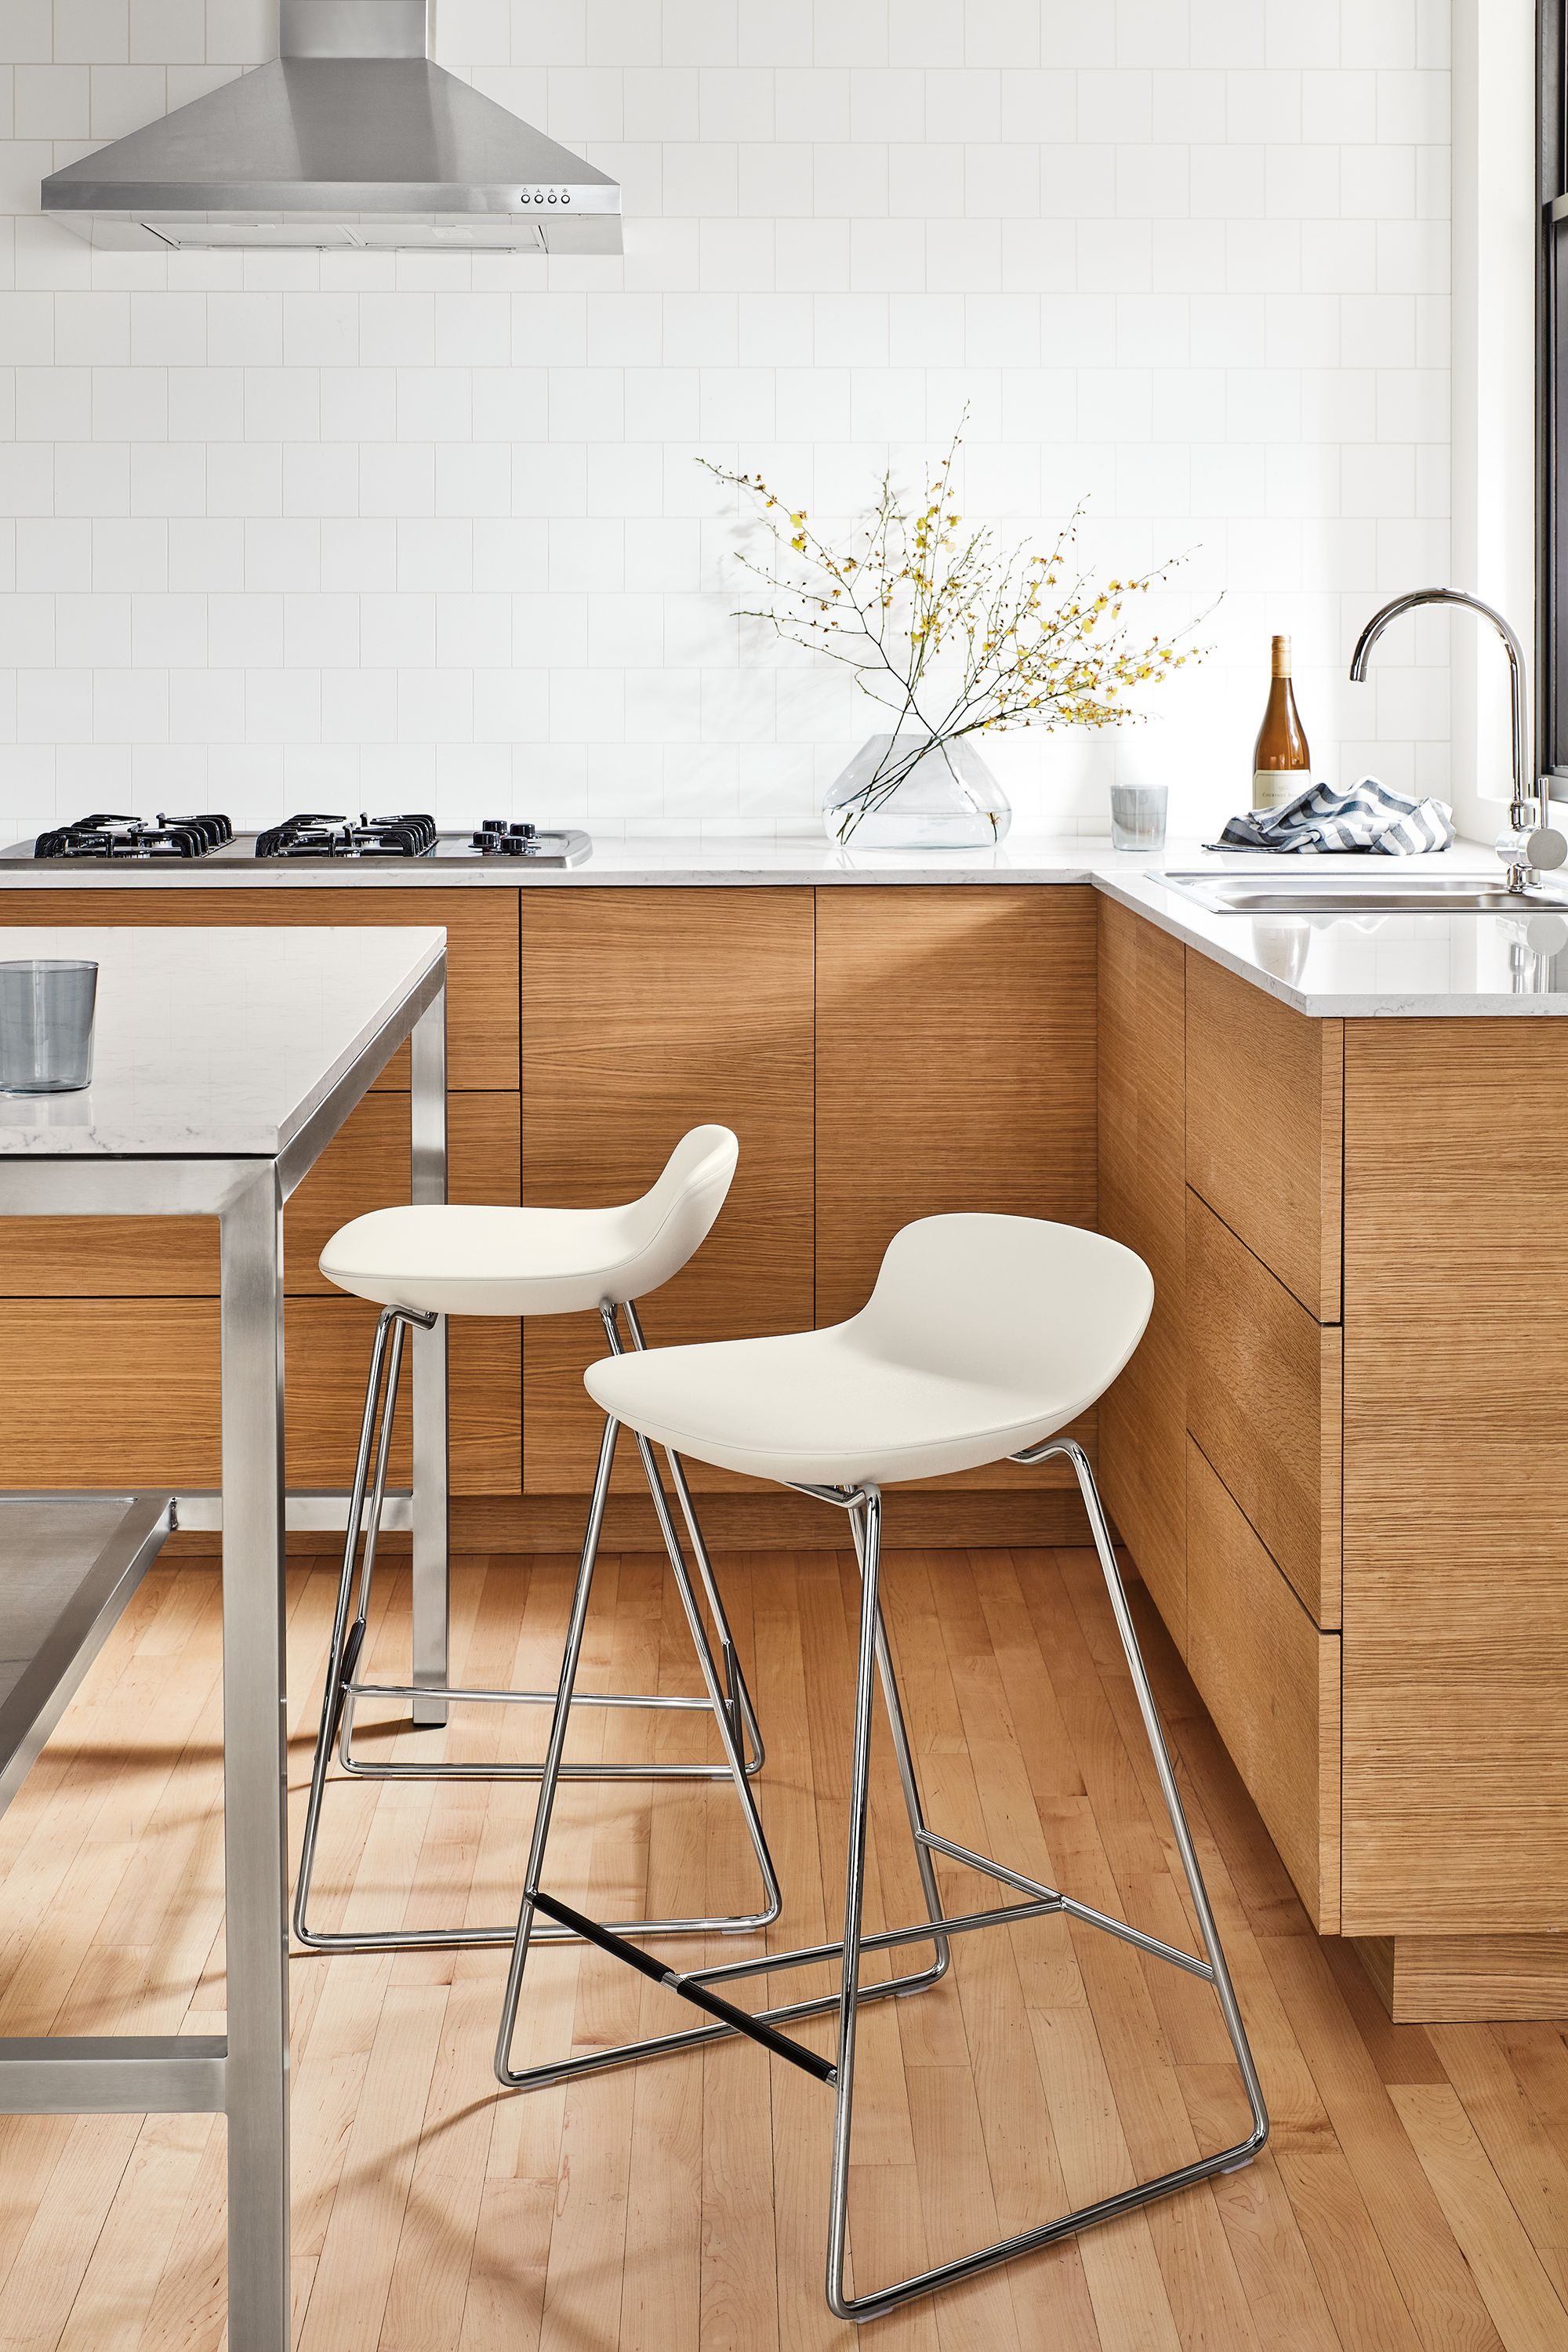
(1551, 395)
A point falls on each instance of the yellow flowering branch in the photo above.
(953, 633)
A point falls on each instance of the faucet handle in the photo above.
(1534, 841)
(1535, 851)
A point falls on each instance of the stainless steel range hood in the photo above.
(350, 138)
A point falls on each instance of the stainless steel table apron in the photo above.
(244, 2074)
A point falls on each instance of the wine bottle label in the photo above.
(1272, 787)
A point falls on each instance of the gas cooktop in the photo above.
(179, 841)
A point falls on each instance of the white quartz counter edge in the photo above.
(1427, 966)
(1390, 966)
(614, 866)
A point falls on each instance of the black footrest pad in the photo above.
(781, 2045)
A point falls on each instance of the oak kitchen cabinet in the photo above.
(1337, 1459)
(881, 1052)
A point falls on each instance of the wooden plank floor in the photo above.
(1415, 2195)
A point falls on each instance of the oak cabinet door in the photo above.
(1456, 1479)
(645, 1013)
(955, 1070)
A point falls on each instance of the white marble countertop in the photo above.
(1362, 965)
(219, 1044)
(1327, 966)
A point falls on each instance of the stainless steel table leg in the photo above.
(255, 1791)
(427, 1113)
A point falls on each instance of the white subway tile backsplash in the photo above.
(1378, 330)
(52, 102)
(289, 527)
(206, 405)
(52, 552)
(124, 98)
(1384, 35)
(472, 480)
(159, 32)
(1378, 183)
(244, 479)
(54, 404)
(1295, 35)
(205, 707)
(91, 479)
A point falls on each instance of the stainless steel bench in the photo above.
(68, 1564)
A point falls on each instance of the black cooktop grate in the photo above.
(109, 836)
(314, 835)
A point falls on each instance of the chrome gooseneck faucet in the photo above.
(1530, 844)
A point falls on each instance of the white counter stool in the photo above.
(419, 1262)
(983, 1337)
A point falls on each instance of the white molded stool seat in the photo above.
(448, 1259)
(983, 1337)
(929, 1378)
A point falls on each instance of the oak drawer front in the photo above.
(1271, 1682)
(481, 927)
(1266, 1128)
(121, 1391)
(1263, 1403)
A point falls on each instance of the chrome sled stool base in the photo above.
(707, 1988)
(726, 1697)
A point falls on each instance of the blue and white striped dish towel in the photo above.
(1370, 816)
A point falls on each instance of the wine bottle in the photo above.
(1281, 763)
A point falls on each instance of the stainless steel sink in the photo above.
(1397, 894)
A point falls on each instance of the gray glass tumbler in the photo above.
(46, 1025)
(1137, 815)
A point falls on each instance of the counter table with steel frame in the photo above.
(309, 1020)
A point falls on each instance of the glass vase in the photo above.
(895, 795)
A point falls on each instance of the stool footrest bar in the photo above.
(1067, 1903)
(523, 1697)
(740, 2020)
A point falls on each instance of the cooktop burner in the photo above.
(340, 837)
(105, 836)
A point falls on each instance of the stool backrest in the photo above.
(676, 1214)
(1011, 1300)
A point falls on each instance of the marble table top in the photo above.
(214, 1043)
